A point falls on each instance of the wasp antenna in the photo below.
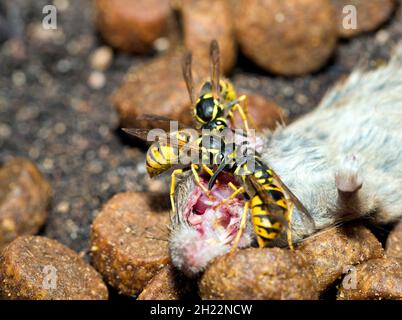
(188, 75)
(214, 56)
(214, 51)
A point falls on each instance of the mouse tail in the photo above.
(349, 182)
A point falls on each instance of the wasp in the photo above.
(169, 151)
(217, 101)
(271, 203)
(212, 110)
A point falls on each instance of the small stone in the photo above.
(64, 65)
(34, 153)
(62, 5)
(15, 48)
(393, 247)
(101, 58)
(95, 167)
(259, 274)
(19, 78)
(201, 28)
(382, 37)
(333, 251)
(38, 268)
(358, 16)
(144, 248)
(96, 80)
(59, 128)
(5, 131)
(301, 99)
(376, 279)
(24, 197)
(38, 35)
(63, 207)
(292, 37)
(161, 44)
(132, 26)
(288, 91)
(48, 164)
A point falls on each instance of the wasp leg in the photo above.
(241, 228)
(231, 185)
(239, 108)
(194, 169)
(173, 188)
(289, 231)
(232, 196)
(243, 98)
(261, 242)
(207, 170)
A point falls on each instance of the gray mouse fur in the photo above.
(344, 159)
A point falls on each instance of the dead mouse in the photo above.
(343, 161)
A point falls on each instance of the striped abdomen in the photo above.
(160, 157)
(267, 225)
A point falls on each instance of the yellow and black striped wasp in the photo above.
(217, 100)
(271, 202)
(183, 148)
(212, 110)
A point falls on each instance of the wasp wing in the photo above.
(214, 56)
(137, 132)
(304, 214)
(273, 209)
(188, 75)
(177, 139)
(160, 119)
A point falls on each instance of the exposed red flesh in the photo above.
(209, 231)
(201, 214)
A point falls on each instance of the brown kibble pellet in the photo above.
(333, 251)
(39, 268)
(168, 284)
(24, 197)
(393, 247)
(163, 92)
(291, 37)
(129, 240)
(251, 274)
(369, 15)
(132, 26)
(265, 113)
(206, 20)
(375, 279)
